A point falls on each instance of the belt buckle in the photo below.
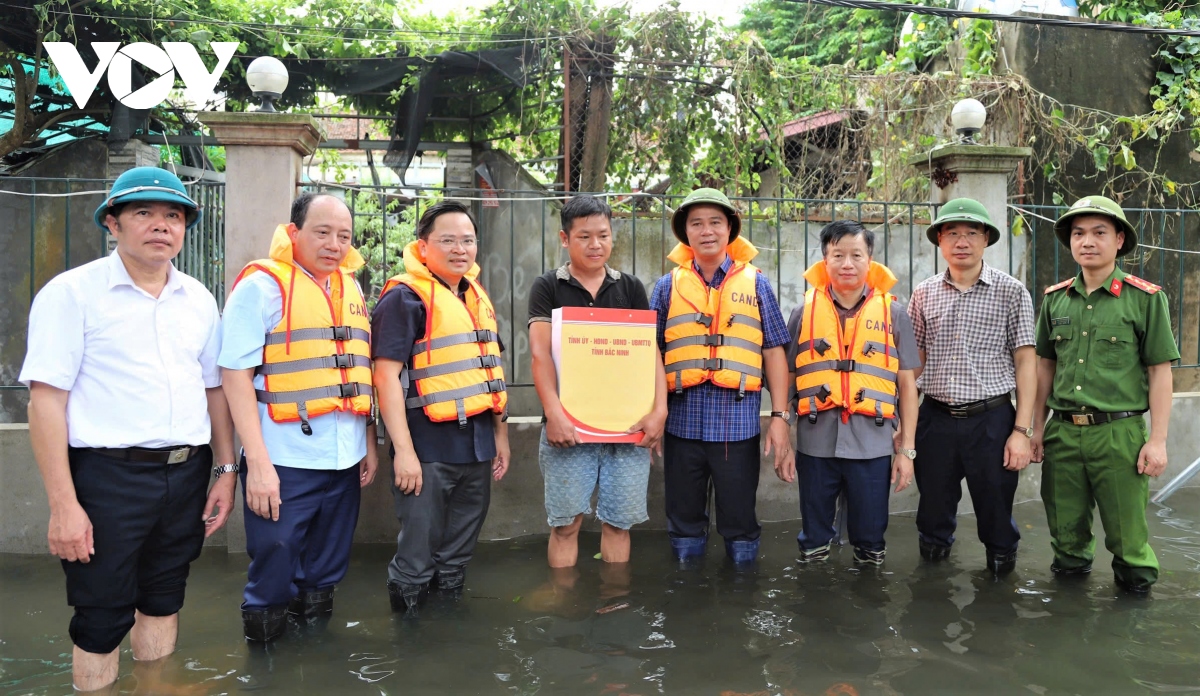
(179, 456)
(1082, 419)
(958, 413)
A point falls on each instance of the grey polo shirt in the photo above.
(860, 438)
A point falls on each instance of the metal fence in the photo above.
(519, 241)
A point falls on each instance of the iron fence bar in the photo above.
(32, 240)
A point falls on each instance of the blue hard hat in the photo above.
(148, 184)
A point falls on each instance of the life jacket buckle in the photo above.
(714, 340)
(348, 390)
(487, 361)
(494, 385)
(483, 336)
(844, 365)
(821, 346)
(705, 319)
(714, 363)
(860, 396)
(342, 360)
(341, 333)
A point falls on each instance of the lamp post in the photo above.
(267, 77)
(967, 117)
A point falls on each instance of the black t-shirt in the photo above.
(558, 288)
(397, 323)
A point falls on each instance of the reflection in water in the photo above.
(650, 627)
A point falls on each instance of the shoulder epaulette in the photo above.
(1060, 286)
(1143, 285)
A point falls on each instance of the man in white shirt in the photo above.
(125, 397)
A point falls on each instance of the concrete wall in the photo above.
(517, 501)
(36, 248)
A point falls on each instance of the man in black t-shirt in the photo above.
(573, 470)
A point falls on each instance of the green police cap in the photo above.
(705, 196)
(1097, 205)
(963, 210)
(148, 184)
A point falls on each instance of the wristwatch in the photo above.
(910, 453)
(220, 471)
(785, 415)
(1027, 432)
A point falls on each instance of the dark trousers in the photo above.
(147, 528)
(439, 527)
(308, 548)
(866, 483)
(731, 468)
(949, 449)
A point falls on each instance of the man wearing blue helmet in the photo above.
(125, 399)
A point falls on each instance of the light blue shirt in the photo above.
(339, 439)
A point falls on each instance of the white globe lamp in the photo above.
(267, 78)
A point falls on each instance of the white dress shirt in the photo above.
(136, 366)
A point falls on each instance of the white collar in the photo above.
(119, 275)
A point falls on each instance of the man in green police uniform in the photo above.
(1104, 347)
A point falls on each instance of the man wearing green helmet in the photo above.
(974, 329)
(722, 338)
(125, 397)
(1104, 347)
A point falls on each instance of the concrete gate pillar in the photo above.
(979, 172)
(264, 155)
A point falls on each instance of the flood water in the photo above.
(829, 630)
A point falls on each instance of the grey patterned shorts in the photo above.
(622, 472)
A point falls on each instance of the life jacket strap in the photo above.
(713, 340)
(846, 366)
(346, 390)
(713, 364)
(820, 345)
(696, 317)
(475, 336)
(477, 362)
(491, 386)
(328, 333)
(345, 360)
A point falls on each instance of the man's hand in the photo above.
(500, 463)
(1152, 460)
(368, 466)
(220, 497)
(407, 469)
(1037, 444)
(902, 471)
(559, 431)
(651, 427)
(262, 490)
(70, 534)
(779, 442)
(1017, 451)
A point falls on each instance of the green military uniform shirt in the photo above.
(1103, 342)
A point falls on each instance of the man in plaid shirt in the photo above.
(974, 330)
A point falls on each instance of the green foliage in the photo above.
(822, 35)
(917, 50)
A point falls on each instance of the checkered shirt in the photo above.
(969, 337)
(708, 412)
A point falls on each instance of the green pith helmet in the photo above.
(963, 210)
(1097, 205)
(708, 196)
(148, 184)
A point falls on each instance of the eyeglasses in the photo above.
(971, 235)
(451, 242)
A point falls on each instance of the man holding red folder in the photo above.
(573, 469)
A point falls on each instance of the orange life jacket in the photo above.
(318, 359)
(457, 364)
(851, 366)
(714, 334)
